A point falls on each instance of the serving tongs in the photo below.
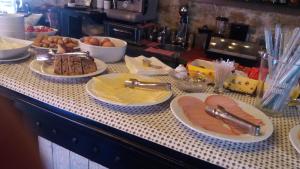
(50, 56)
(133, 83)
(229, 118)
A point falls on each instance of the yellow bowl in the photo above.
(201, 66)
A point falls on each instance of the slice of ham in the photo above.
(231, 106)
(194, 109)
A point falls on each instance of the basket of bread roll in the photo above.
(52, 42)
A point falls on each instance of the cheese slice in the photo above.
(241, 84)
(112, 88)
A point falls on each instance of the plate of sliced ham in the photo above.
(294, 136)
(189, 109)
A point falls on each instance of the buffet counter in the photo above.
(151, 134)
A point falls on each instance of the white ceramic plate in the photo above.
(266, 130)
(294, 136)
(18, 58)
(89, 89)
(48, 70)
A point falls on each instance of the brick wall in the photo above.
(205, 14)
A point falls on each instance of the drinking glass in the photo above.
(273, 92)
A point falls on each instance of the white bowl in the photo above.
(106, 54)
(32, 19)
(11, 17)
(12, 53)
(12, 30)
(11, 22)
(11, 25)
(18, 35)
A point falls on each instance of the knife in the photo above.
(222, 114)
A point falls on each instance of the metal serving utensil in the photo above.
(133, 83)
(294, 102)
(51, 55)
(86, 54)
(221, 113)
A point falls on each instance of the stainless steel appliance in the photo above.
(132, 33)
(86, 3)
(245, 52)
(134, 11)
(181, 37)
(133, 5)
(203, 37)
(238, 31)
(129, 19)
(221, 25)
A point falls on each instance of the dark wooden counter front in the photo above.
(100, 143)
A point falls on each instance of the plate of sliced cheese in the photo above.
(110, 89)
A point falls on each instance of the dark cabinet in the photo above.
(72, 22)
(102, 144)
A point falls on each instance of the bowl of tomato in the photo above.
(32, 31)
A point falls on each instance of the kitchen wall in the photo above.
(205, 14)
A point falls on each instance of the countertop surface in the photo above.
(156, 123)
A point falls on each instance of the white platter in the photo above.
(48, 70)
(294, 136)
(15, 59)
(90, 91)
(266, 130)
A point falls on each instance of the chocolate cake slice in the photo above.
(88, 65)
(65, 65)
(75, 67)
(58, 65)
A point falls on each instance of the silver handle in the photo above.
(69, 54)
(132, 83)
(166, 86)
(228, 117)
(122, 31)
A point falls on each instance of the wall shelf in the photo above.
(260, 6)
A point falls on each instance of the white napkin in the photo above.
(135, 66)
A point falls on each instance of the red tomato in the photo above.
(30, 29)
(253, 73)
